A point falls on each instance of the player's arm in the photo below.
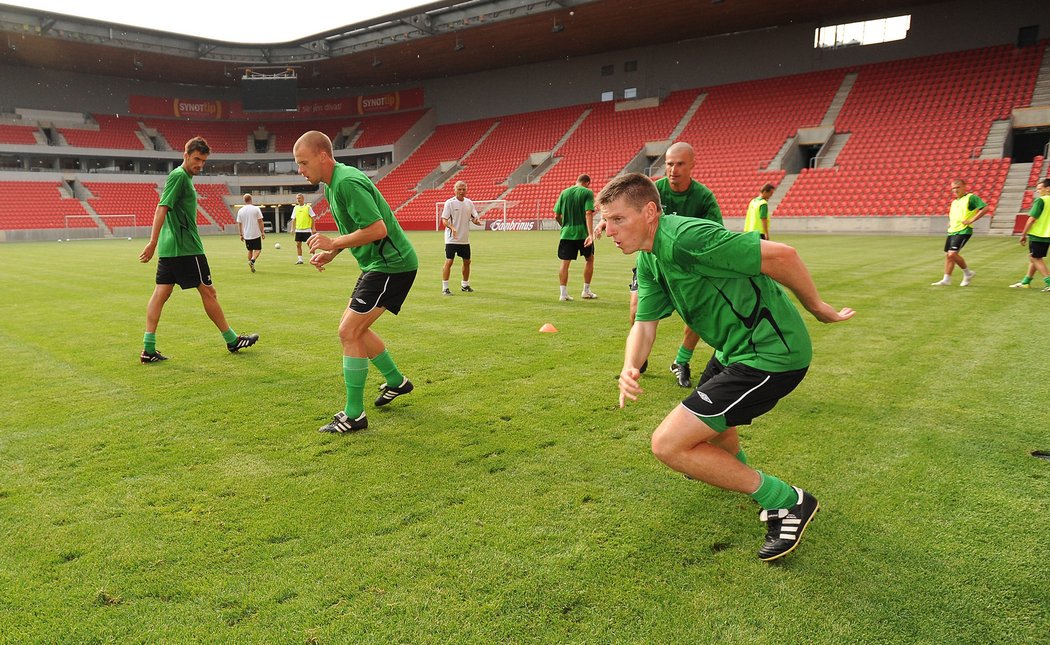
(262, 227)
(557, 217)
(362, 236)
(639, 344)
(782, 263)
(590, 227)
(475, 217)
(159, 216)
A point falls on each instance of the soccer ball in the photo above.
(277, 245)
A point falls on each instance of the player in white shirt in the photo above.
(456, 217)
(250, 224)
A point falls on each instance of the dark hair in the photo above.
(1045, 181)
(768, 187)
(198, 144)
(637, 189)
(584, 179)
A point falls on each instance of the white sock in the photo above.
(464, 283)
(586, 287)
(946, 278)
(967, 272)
(564, 291)
(444, 285)
(300, 258)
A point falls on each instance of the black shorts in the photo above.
(254, 244)
(732, 395)
(1038, 249)
(302, 236)
(634, 280)
(568, 249)
(956, 242)
(187, 271)
(452, 250)
(387, 290)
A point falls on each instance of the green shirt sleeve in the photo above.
(718, 253)
(653, 302)
(976, 203)
(1037, 208)
(173, 189)
(763, 212)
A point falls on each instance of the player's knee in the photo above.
(664, 447)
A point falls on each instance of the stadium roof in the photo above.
(408, 45)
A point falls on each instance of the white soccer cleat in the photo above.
(1020, 285)
(941, 283)
(967, 277)
(566, 298)
(589, 295)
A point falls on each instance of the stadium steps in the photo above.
(829, 153)
(1041, 92)
(99, 222)
(782, 189)
(684, 121)
(572, 128)
(839, 99)
(1010, 200)
(996, 141)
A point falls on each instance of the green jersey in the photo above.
(356, 203)
(573, 204)
(1040, 231)
(179, 236)
(695, 201)
(713, 278)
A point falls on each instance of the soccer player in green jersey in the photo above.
(682, 195)
(966, 209)
(180, 254)
(1036, 234)
(388, 263)
(574, 211)
(725, 286)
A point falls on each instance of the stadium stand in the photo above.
(113, 132)
(488, 166)
(446, 143)
(222, 136)
(210, 197)
(36, 204)
(385, 129)
(18, 134)
(739, 129)
(113, 198)
(913, 130)
(601, 147)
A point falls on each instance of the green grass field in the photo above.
(508, 499)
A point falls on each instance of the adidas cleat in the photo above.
(242, 342)
(786, 526)
(388, 393)
(682, 373)
(155, 357)
(466, 289)
(342, 423)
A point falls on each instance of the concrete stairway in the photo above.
(1009, 204)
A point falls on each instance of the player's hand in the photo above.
(1022, 240)
(629, 387)
(318, 260)
(599, 230)
(825, 313)
(589, 241)
(147, 253)
(452, 231)
(318, 242)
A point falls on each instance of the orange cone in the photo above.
(548, 328)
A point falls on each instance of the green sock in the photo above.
(683, 355)
(149, 342)
(1027, 279)
(355, 373)
(774, 493)
(1046, 281)
(386, 367)
(741, 457)
(229, 336)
